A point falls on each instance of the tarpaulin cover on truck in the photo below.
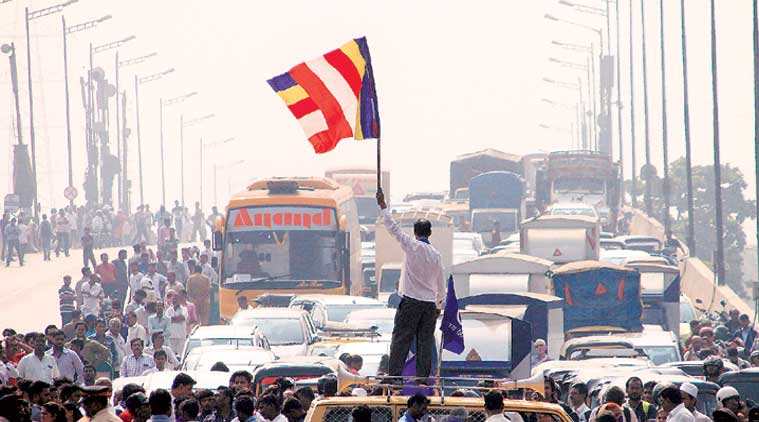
(597, 293)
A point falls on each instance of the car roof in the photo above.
(571, 205)
(453, 402)
(269, 313)
(362, 314)
(337, 300)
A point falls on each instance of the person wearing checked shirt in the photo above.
(136, 363)
(422, 290)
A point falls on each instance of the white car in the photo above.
(234, 357)
(383, 319)
(572, 208)
(332, 308)
(290, 331)
(466, 246)
(215, 335)
(205, 380)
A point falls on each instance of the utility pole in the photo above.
(686, 122)
(619, 111)
(649, 167)
(720, 257)
(664, 134)
(31, 114)
(139, 140)
(633, 160)
(68, 110)
(756, 107)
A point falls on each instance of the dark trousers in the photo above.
(88, 256)
(414, 320)
(46, 242)
(142, 233)
(14, 244)
(63, 243)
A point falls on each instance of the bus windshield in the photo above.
(368, 211)
(279, 247)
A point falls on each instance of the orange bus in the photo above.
(288, 236)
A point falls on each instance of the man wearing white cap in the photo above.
(690, 397)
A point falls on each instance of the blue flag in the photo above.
(453, 334)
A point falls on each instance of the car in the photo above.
(611, 244)
(466, 246)
(383, 319)
(204, 380)
(642, 243)
(332, 308)
(620, 256)
(391, 408)
(695, 368)
(234, 357)
(572, 208)
(746, 381)
(290, 331)
(212, 335)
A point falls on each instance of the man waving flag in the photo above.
(333, 96)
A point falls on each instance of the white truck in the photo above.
(501, 273)
(561, 238)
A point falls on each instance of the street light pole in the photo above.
(31, 114)
(619, 110)
(181, 157)
(633, 160)
(647, 176)
(720, 258)
(139, 140)
(664, 140)
(163, 174)
(68, 111)
(686, 122)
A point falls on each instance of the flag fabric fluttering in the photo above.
(333, 97)
(452, 332)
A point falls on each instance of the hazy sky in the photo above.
(452, 77)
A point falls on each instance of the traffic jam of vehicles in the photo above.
(562, 307)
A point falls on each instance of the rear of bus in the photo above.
(288, 236)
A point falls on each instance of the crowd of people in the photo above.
(732, 337)
(71, 227)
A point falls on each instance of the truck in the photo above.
(589, 177)
(598, 294)
(363, 181)
(496, 196)
(467, 166)
(660, 292)
(561, 238)
(501, 273)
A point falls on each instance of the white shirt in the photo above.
(700, 417)
(23, 234)
(31, 367)
(158, 280)
(136, 331)
(581, 411)
(120, 344)
(7, 371)
(422, 270)
(680, 414)
(91, 295)
(177, 329)
(154, 369)
(147, 285)
(209, 272)
(171, 358)
(134, 283)
(279, 418)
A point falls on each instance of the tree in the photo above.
(735, 210)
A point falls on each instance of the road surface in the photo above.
(29, 299)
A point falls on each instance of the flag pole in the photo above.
(439, 361)
(379, 164)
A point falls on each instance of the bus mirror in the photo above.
(218, 241)
(342, 222)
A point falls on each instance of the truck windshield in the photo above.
(289, 244)
(579, 184)
(368, 211)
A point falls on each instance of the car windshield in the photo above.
(482, 221)
(749, 389)
(257, 251)
(368, 211)
(233, 359)
(339, 312)
(660, 355)
(686, 312)
(202, 342)
(279, 331)
(389, 280)
(579, 184)
(588, 212)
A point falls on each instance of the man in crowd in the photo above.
(690, 398)
(416, 407)
(62, 233)
(177, 314)
(134, 329)
(107, 273)
(643, 409)
(46, 237)
(88, 248)
(671, 401)
(119, 343)
(578, 394)
(66, 300)
(11, 236)
(135, 364)
(199, 292)
(422, 290)
(92, 296)
(38, 366)
(68, 362)
(160, 358)
(158, 344)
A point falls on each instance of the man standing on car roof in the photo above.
(422, 290)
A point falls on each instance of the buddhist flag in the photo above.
(333, 96)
